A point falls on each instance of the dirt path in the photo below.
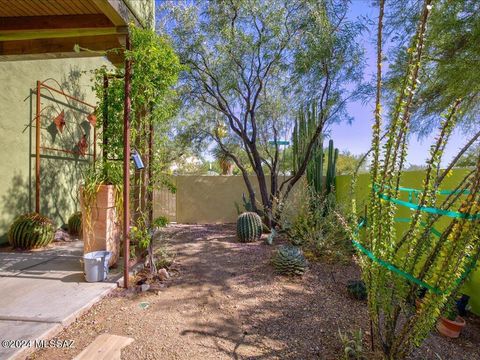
(225, 302)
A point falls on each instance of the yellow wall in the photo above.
(211, 199)
(414, 180)
(60, 172)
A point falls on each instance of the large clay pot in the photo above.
(101, 229)
(451, 328)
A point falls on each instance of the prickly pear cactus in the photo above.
(249, 227)
(31, 231)
(75, 224)
(289, 260)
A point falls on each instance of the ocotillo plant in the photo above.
(305, 125)
(396, 266)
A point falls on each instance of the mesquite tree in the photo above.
(449, 70)
(424, 261)
(251, 65)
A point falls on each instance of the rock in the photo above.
(145, 287)
(61, 235)
(163, 274)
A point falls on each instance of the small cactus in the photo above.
(31, 231)
(289, 260)
(75, 223)
(249, 227)
(357, 289)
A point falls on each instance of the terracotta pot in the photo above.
(450, 328)
(418, 303)
(104, 231)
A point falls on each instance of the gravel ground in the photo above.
(223, 301)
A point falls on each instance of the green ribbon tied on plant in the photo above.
(411, 205)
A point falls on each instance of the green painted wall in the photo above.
(411, 179)
(60, 172)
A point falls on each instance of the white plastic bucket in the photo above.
(95, 265)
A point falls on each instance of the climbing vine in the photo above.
(155, 69)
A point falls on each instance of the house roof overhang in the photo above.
(39, 29)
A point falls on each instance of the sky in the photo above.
(356, 137)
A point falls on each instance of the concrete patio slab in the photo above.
(43, 291)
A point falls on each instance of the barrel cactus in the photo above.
(289, 260)
(31, 231)
(357, 289)
(249, 227)
(75, 223)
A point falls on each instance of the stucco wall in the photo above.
(211, 199)
(412, 179)
(59, 172)
(144, 10)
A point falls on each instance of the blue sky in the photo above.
(356, 137)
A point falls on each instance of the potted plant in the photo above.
(450, 324)
(101, 202)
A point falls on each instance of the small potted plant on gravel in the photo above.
(450, 324)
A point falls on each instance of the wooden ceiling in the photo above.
(31, 29)
(11, 8)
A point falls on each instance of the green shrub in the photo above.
(317, 230)
(289, 260)
(31, 231)
(249, 227)
(352, 344)
(164, 258)
(160, 222)
(75, 223)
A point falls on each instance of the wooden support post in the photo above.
(37, 149)
(105, 116)
(150, 174)
(94, 144)
(126, 167)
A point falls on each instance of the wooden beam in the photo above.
(11, 35)
(115, 10)
(96, 45)
(40, 23)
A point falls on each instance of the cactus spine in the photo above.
(305, 126)
(31, 231)
(249, 227)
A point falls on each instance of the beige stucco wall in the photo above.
(210, 199)
(144, 10)
(60, 172)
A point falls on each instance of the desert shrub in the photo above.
(160, 222)
(164, 258)
(352, 344)
(317, 230)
